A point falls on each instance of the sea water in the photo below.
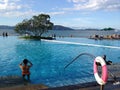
(50, 57)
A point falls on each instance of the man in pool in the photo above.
(25, 66)
(107, 62)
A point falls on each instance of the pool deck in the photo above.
(88, 86)
(85, 86)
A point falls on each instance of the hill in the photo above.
(55, 27)
(60, 27)
(6, 27)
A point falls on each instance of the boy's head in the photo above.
(104, 57)
(25, 61)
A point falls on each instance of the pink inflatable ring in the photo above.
(103, 79)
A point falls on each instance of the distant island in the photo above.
(6, 27)
(55, 27)
(107, 29)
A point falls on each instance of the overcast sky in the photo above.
(71, 13)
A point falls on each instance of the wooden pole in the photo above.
(101, 87)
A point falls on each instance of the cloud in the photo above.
(10, 5)
(84, 20)
(76, 1)
(14, 8)
(94, 5)
(11, 8)
(27, 13)
(57, 13)
(3, 4)
(18, 13)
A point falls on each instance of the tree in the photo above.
(35, 26)
(108, 29)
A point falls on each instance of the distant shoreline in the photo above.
(67, 33)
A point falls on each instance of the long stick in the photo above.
(101, 87)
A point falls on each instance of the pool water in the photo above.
(50, 57)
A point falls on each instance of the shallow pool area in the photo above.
(50, 57)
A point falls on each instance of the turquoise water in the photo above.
(50, 57)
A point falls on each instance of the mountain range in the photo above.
(6, 27)
(55, 27)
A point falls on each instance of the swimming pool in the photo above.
(50, 57)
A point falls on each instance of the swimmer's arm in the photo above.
(20, 65)
(30, 64)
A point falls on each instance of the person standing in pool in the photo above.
(25, 66)
(107, 62)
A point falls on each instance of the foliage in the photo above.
(108, 29)
(35, 26)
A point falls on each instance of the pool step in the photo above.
(17, 83)
(6, 81)
(27, 87)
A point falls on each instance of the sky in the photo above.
(70, 13)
